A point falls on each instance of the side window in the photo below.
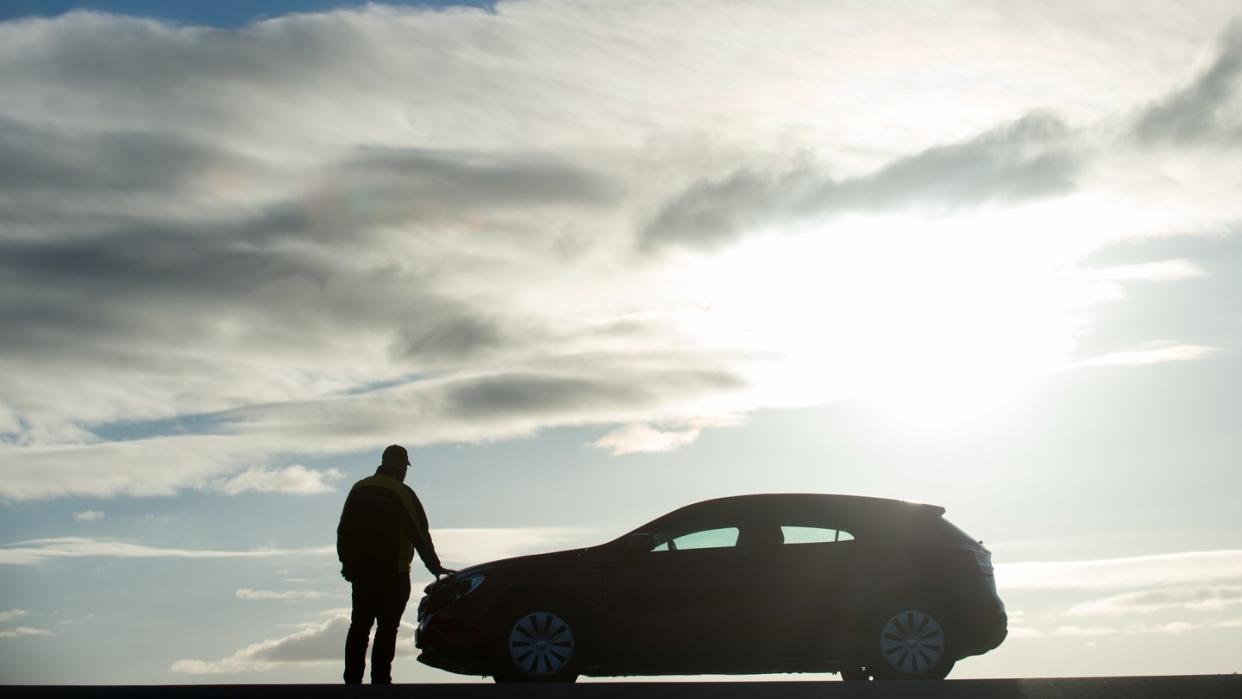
(725, 537)
(814, 535)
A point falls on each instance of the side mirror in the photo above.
(639, 542)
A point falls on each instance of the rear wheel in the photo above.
(909, 643)
(538, 643)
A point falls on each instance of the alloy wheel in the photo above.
(541, 644)
(912, 642)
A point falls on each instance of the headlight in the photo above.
(447, 592)
(473, 583)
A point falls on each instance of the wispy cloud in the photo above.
(457, 547)
(24, 632)
(1197, 598)
(318, 644)
(1193, 567)
(88, 515)
(38, 551)
(295, 479)
(13, 614)
(1162, 270)
(1032, 157)
(1151, 354)
(642, 438)
(248, 594)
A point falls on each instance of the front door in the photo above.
(686, 606)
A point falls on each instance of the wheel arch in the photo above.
(559, 596)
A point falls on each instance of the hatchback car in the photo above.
(866, 587)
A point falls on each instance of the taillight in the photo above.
(984, 558)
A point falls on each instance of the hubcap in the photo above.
(541, 643)
(912, 642)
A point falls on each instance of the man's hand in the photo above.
(445, 572)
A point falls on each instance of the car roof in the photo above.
(856, 506)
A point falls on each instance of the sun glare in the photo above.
(895, 309)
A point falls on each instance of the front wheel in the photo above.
(908, 644)
(538, 644)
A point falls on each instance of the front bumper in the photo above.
(451, 643)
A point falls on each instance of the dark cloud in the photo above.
(69, 161)
(1031, 157)
(598, 388)
(1206, 110)
(450, 336)
(460, 180)
(616, 390)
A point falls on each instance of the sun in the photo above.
(930, 316)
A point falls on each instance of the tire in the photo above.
(538, 643)
(905, 642)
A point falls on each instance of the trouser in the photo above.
(381, 601)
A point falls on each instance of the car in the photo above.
(870, 588)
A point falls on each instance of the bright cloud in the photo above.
(1190, 568)
(295, 479)
(88, 515)
(40, 550)
(24, 632)
(315, 645)
(632, 439)
(1200, 598)
(457, 547)
(248, 594)
(213, 269)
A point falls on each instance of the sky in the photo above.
(592, 261)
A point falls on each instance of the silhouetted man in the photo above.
(383, 523)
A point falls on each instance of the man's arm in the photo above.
(422, 537)
(345, 541)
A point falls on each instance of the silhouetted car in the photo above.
(867, 587)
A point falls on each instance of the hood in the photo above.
(540, 561)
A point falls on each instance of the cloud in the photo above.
(248, 594)
(226, 251)
(315, 645)
(1154, 354)
(456, 546)
(1199, 598)
(1084, 631)
(640, 438)
(1031, 157)
(19, 631)
(89, 515)
(38, 551)
(24, 632)
(1209, 109)
(1192, 567)
(295, 479)
(1162, 270)
(465, 408)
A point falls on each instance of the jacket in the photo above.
(382, 525)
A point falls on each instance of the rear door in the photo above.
(814, 576)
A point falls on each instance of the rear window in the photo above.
(814, 535)
(952, 533)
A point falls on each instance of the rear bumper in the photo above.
(984, 626)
